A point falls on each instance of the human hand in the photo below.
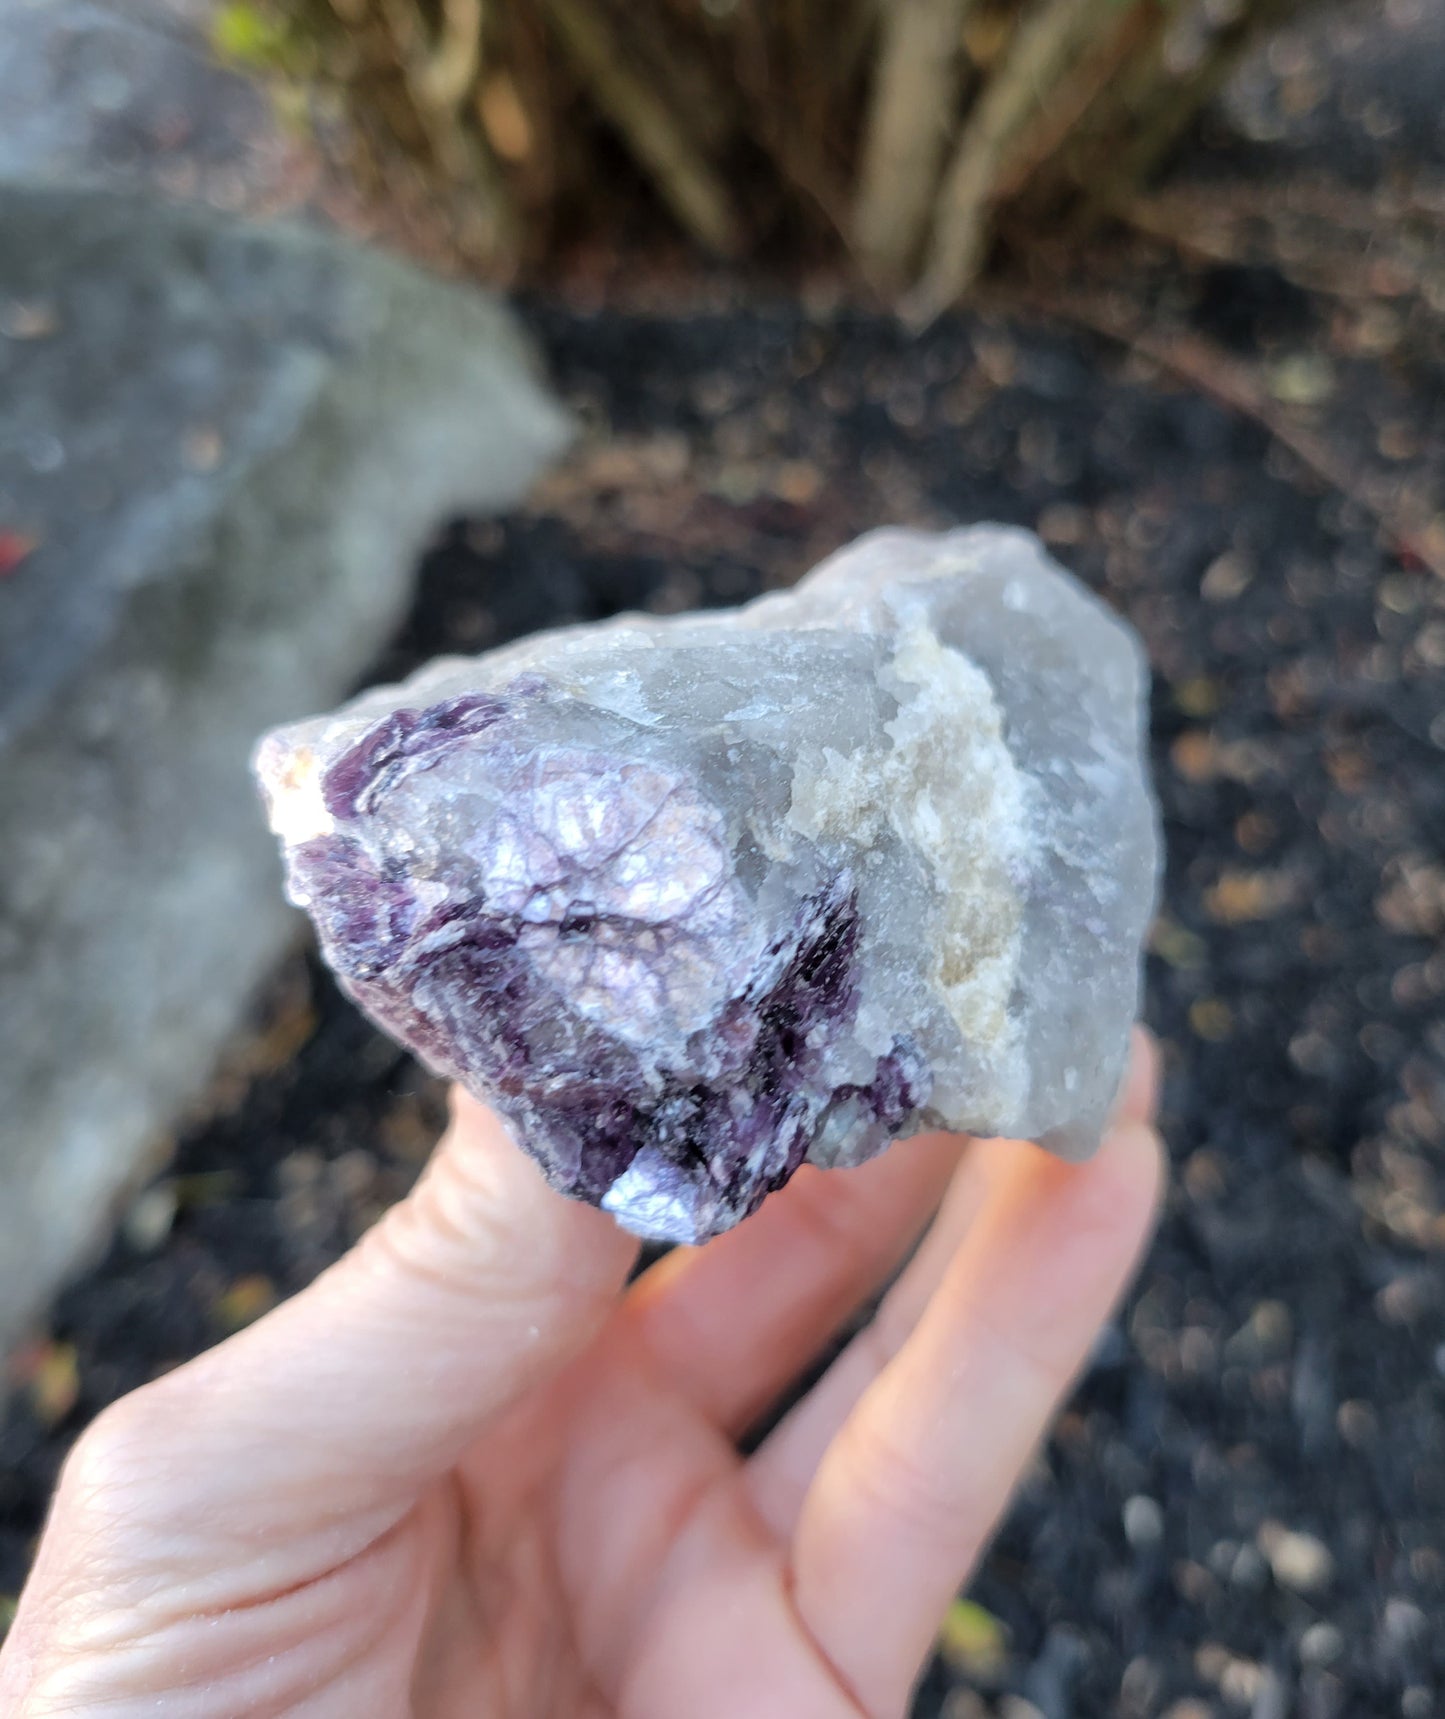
(467, 1473)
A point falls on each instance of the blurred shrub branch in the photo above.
(904, 131)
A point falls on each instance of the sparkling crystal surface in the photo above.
(695, 899)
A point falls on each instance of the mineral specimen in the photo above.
(694, 899)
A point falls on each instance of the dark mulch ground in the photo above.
(1280, 1370)
(1243, 1510)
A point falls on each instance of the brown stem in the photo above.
(1045, 44)
(452, 66)
(685, 178)
(910, 116)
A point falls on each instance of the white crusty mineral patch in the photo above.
(950, 791)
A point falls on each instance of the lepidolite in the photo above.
(693, 900)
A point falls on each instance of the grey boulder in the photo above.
(221, 449)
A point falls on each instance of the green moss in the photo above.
(252, 36)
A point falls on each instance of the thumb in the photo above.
(349, 1398)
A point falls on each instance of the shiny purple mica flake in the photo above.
(692, 901)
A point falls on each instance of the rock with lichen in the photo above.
(694, 900)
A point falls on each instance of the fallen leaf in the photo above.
(1211, 1020)
(1197, 697)
(250, 35)
(504, 118)
(15, 547)
(206, 1188)
(1172, 943)
(245, 1301)
(1240, 897)
(1303, 379)
(797, 481)
(1195, 755)
(50, 1373)
(1225, 577)
(973, 1641)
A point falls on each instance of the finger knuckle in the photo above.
(833, 1213)
(903, 1486)
(112, 1457)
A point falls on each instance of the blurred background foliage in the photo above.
(907, 135)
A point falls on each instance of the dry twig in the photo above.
(1046, 43)
(684, 177)
(910, 116)
(1234, 384)
(451, 68)
(1333, 243)
(780, 109)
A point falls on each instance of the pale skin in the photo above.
(470, 1473)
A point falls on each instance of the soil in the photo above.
(1242, 1510)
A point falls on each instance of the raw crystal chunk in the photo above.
(692, 900)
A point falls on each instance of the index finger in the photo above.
(907, 1494)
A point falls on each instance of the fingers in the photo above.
(782, 1469)
(909, 1490)
(676, 1594)
(1138, 1098)
(334, 1410)
(732, 1324)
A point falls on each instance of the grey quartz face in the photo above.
(695, 900)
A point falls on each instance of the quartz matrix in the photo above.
(693, 900)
